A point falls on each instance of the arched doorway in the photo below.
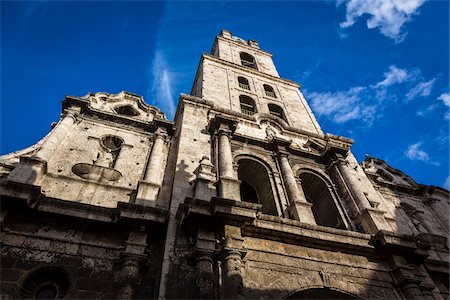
(255, 185)
(321, 293)
(323, 206)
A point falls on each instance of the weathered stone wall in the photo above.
(91, 253)
(276, 270)
(82, 145)
(220, 85)
(230, 49)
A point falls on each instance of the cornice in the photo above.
(244, 45)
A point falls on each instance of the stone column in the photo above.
(231, 262)
(231, 274)
(370, 217)
(229, 184)
(148, 189)
(299, 208)
(204, 281)
(132, 260)
(154, 170)
(129, 277)
(57, 135)
(225, 155)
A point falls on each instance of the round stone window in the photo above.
(45, 283)
(112, 143)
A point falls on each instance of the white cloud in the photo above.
(161, 87)
(445, 98)
(394, 76)
(427, 111)
(415, 153)
(422, 89)
(388, 15)
(447, 183)
(361, 103)
(342, 106)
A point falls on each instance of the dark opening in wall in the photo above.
(323, 206)
(126, 110)
(247, 60)
(269, 91)
(277, 111)
(256, 186)
(248, 106)
(45, 283)
(243, 83)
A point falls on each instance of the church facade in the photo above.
(241, 196)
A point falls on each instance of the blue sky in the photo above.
(375, 71)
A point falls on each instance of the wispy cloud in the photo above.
(422, 89)
(361, 102)
(343, 106)
(394, 76)
(445, 98)
(161, 87)
(387, 15)
(415, 153)
(426, 111)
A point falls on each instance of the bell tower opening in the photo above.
(255, 185)
(248, 106)
(323, 206)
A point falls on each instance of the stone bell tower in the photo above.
(251, 159)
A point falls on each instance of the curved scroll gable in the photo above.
(125, 104)
(384, 173)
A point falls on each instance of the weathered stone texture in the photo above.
(235, 199)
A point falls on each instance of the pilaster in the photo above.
(148, 189)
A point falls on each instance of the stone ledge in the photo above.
(294, 232)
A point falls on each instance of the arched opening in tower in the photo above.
(255, 185)
(323, 206)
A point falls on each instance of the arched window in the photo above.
(112, 145)
(269, 91)
(243, 83)
(277, 111)
(248, 106)
(323, 206)
(247, 60)
(255, 185)
(321, 293)
(126, 110)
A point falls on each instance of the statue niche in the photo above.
(110, 149)
(103, 162)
